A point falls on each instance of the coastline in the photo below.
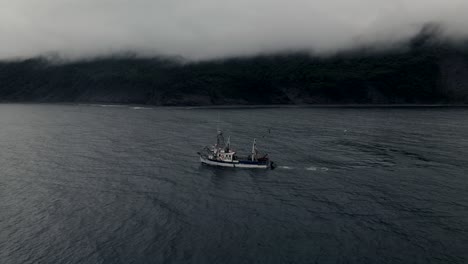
(242, 106)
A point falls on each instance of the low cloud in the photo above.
(205, 29)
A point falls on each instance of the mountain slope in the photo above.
(418, 74)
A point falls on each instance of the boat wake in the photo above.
(141, 108)
(308, 168)
(112, 105)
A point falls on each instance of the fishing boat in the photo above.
(222, 155)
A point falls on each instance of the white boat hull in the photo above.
(234, 164)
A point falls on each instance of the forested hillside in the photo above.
(417, 73)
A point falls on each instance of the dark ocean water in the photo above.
(95, 184)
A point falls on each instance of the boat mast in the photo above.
(219, 138)
(254, 149)
(217, 124)
(228, 144)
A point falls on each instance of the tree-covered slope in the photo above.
(419, 73)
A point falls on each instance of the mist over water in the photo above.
(93, 184)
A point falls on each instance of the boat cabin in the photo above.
(223, 155)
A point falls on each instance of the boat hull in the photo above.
(239, 164)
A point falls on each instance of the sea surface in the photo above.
(123, 184)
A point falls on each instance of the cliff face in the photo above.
(417, 75)
(454, 78)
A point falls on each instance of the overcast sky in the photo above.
(203, 29)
